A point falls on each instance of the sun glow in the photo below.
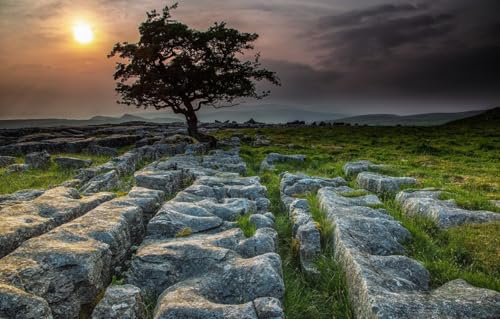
(82, 32)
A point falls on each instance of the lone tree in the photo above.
(174, 66)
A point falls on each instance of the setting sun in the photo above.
(82, 32)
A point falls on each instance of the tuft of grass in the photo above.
(248, 228)
(185, 232)
(118, 281)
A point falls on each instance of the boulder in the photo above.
(38, 160)
(101, 150)
(71, 162)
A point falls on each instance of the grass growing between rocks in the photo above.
(470, 252)
(463, 161)
(246, 225)
(43, 178)
(324, 297)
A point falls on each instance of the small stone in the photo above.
(17, 168)
(120, 302)
(6, 161)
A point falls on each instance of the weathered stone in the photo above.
(17, 304)
(21, 196)
(381, 282)
(38, 160)
(27, 219)
(101, 150)
(382, 184)
(105, 182)
(261, 140)
(17, 168)
(168, 181)
(272, 158)
(445, 213)
(352, 169)
(120, 302)
(71, 162)
(6, 161)
(261, 221)
(71, 264)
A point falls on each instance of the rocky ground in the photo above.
(195, 235)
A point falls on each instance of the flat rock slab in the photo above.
(39, 160)
(383, 184)
(445, 213)
(21, 221)
(68, 266)
(382, 282)
(352, 169)
(272, 158)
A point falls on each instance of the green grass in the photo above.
(43, 178)
(248, 228)
(465, 162)
(324, 297)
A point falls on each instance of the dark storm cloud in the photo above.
(448, 48)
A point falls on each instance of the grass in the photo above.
(248, 228)
(43, 178)
(462, 161)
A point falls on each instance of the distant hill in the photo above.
(96, 120)
(488, 118)
(428, 119)
(267, 113)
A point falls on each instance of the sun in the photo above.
(82, 32)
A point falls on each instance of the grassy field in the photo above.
(464, 161)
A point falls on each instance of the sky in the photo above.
(339, 56)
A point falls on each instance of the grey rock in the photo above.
(38, 160)
(120, 302)
(17, 168)
(352, 169)
(310, 247)
(268, 308)
(261, 221)
(72, 163)
(382, 282)
(105, 182)
(72, 263)
(168, 181)
(17, 304)
(445, 213)
(21, 196)
(28, 219)
(272, 158)
(6, 161)
(101, 150)
(382, 184)
(261, 140)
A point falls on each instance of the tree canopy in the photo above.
(174, 66)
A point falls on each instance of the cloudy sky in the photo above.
(344, 56)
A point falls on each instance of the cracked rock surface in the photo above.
(445, 213)
(382, 281)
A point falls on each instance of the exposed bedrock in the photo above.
(382, 282)
(383, 184)
(56, 206)
(68, 266)
(445, 213)
(304, 229)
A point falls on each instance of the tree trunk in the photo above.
(192, 125)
